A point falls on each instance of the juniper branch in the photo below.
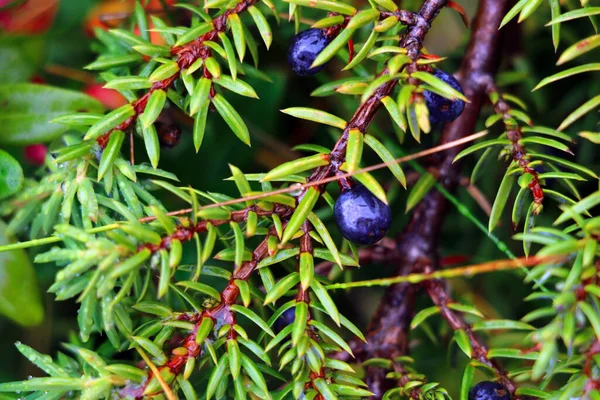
(441, 299)
(388, 331)
(186, 55)
(514, 134)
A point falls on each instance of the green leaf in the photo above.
(165, 71)
(11, 175)
(362, 18)
(555, 11)
(592, 316)
(44, 385)
(548, 132)
(331, 334)
(565, 163)
(106, 62)
(546, 142)
(282, 287)
(235, 362)
(579, 208)
(255, 374)
(299, 325)
(301, 213)
(128, 83)
(582, 110)
(327, 5)
(462, 339)
(482, 145)
(252, 316)
(354, 149)
(328, 22)
(422, 315)
(237, 31)
(130, 264)
(579, 13)
(237, 86)
(513, 12)
(152, 144)
(233, 119)
(281, 256)
(307, 270)
(27, 110)
(200, 125)
(364, 51)
(202, 288)
(567, 73)
(326, 301)
(467, 382)
(336, 44)
(151, 348)
(194, 33)
(153, 108)
(295, 166)
(217, 376)
(579, 48)
(394, 111)
(262, 25)
(321, 229)
(370, 183)
(110, 121)
(230, 52)
(441, 87)
(501, 324)
(529, 8)
(500, 201)
(110, 153)
(200, 95)
(386, 157)
(20, 298)
(318, 116)
(418, 192)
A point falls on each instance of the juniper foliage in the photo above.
(188, 303)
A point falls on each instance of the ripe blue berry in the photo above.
(440, 108)
(305, 48)
(285, 319)
(360, 216)
(489, 391)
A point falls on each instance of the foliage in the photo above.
(186, 303)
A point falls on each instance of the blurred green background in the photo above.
(50, 41)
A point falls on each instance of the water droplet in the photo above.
(297, 189)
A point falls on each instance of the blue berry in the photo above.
(360, 216)
(285, 319)
(489, 391)
(305, 48)
(441, 109)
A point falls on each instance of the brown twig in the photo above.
(440, 298)
(519, 153)
(388, 331)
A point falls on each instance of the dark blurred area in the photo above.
(49, 41)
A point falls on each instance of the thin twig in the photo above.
(293, 188)
(459, 272)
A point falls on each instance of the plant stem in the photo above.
(417, 245)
